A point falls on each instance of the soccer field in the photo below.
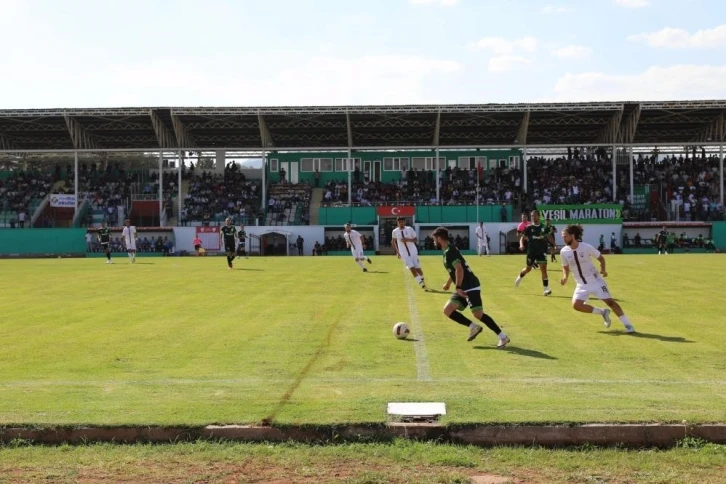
(308, 340)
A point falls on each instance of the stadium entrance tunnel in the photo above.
(275, 242)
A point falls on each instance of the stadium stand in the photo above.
(288, 204)
(20, 194)
(212, 198)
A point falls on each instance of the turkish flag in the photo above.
(403, 211)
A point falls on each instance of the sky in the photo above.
(124, 53)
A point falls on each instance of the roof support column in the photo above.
(350, 182)
(161, 185)
(264, 183)
(524, 169)
(720, 163)
(438, 186)
(615, 180)
(75, 184)
(180, 163)
(632, 178)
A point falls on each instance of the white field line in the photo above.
(419, 344)
(362, 380)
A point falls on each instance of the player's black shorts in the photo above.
(197, 247)
(536, 258)
(229, 248)
(105, 246)
(473, 300)
(241, 249)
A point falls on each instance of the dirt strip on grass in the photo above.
(628, 435)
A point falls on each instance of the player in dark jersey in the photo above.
(536, 236)
(661, 239)
(227, 233)
(551, 244)
(104, 236)
(468, 290)
(241, 248)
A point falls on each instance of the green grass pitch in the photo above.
(309, 340)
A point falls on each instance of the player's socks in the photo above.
(360, 264)
(625, 320)
(460, 318)
(108, 255)
(369, 260)
(545, 283)
(489, 322)
(598, 311)
(418, 279)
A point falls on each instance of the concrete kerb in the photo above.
(628, 435)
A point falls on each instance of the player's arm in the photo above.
(565, 272)
(522, 239)
(601, 259)
(459, 278)
(394, 244)
(447, 285)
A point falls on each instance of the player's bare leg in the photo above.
(493, 326)
(545, 278)
(612, 304)
(522, 273)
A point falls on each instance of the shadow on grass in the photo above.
(437, 291)
(377, 272)
(519, 351)
(593, 299)
(243, 269)
(410, 340)
(668, 339)
(145, 263)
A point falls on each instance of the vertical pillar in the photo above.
(161, 185)
(75, 183)
(180, 202)
(615, 180)
(350, 180)
(632, 177)
(720, 163)
(438, 188)
(264, 182)
(524, 169)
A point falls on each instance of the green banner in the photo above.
(582, 214)
(640, 197)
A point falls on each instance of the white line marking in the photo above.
(419, 345)
(361, 380)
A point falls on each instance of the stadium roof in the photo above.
(364, 127)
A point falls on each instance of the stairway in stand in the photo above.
(316, 199)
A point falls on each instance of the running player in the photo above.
(355, 244)
(468, 290)
(535, 235)
(403, 241)
(482, 239)
(520, 231)
(242, 236)
(128, 238)
(104, 236)
(661, 240)
(551, 244)
(577, 257)
(227, 233)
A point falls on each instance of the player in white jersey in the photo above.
(355, 244)
(403, 241)
(128, 238)
(482, 239)
(577, 258)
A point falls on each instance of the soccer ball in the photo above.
(400, 330)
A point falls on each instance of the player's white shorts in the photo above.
(131, 246)
(411, 261)
(357, 253)
(599, 289)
